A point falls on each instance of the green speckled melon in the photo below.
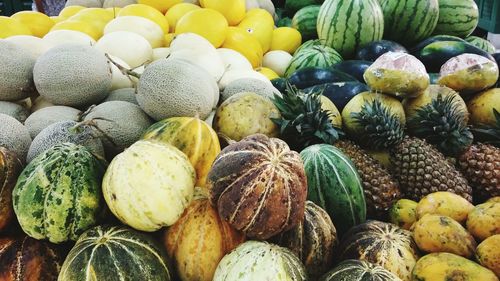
(268, 262)
(359, 270)
(58, 195)
(334, 184)
(115, 253)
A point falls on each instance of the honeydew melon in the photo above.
(129, 46)
(190, 41)
(160, 53)
(14, 136)
(233, 59)
(14, 110)
(37, 46)
(142, 26)
(59, 37)
(16, 71)
(119, 79)
(236, 74)
(44, 117)
(278, 61)
(208, 60)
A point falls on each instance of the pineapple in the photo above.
(421, 169)
(380, 189)
(480, 163)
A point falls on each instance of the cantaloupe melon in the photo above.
(233, 59)
(16, 71)
(129, 46)
(236, 74)
(14, 136)
(160, 53)
(124, 94)
(117, 3)
(119, 79)
(40, 103)
(278, 61)
(174, 87)
(122, 122)
(36, 46)
(59, 37)
(65, 131)
(73, 75)
(85, 3)
(42, 118)
(15, 110)
(142, 26)
(249, 85)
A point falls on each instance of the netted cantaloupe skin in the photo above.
(16, 71)
(15, 110)
(42, 118)
(124, 94)
(14, 136)
(73, 75)
(249, 85)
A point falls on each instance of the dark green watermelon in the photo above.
(437, 38)
(292, 6)
(339, 93)
(311, 76)
(434, 55)
(284, 22)
(355, 68)
(375, 49)
(481, 43)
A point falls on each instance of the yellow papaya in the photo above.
(446, 204)
(484, 220)
(403, 213)
(488, 253)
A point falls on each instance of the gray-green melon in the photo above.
(174, 88)
(73, 75)
(249, 85)
(124, 94)
(16, 71)
(122, 123)
(42, 118)
(118, 3)
(15, 110)
(66, 131)
(14, 136)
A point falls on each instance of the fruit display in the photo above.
(249, 140)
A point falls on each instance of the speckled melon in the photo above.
(175, 87)
(58, 195)
(268, 262)
(10, 168)
(42, 118)
(349, 270)
(66, 131)
(249, 85)
(73, 75)
(200, 239)
(14, 110)
(115, 253)
(149, 185)
(124, 94)
(14, 136)
(16, 73)
(120, 124)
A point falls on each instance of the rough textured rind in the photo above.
(199, 240)
(312, 241)
(359, 270)
(259, 186)
(42, 118)
(334, 184)
(73, 75)
(14, 136)
(24, 258)
(115, 253)
(248, 85)
(192, 136)
(10, 168)
(457, 17)
(124, 94)
(16, 73)
(58, 196)
(66, 131)
(348, 25)
(268, 262)
(149, 185)
(383, 244)
(14, 110)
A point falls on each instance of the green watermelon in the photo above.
(359, 270)
(482, 44)
(305, 21)
(409, 21)
(58, 195)
(334, 184)
(115, 253)
(315, 56)
(308, 44)
(457, 17)
(347, 25)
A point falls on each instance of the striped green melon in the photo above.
(457, 17)
(409, 21)
(305, 21)
(334, 184)
(58, 195)
(254, 260)
(114, 254)
(314, 56)
(482, 44)
(346, 25)
(308, 44)
(349, 270)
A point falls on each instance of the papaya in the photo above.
(436, 233)
(488, 253)
(446, 204)
(494, 199)
(484, 220)
(403, 213)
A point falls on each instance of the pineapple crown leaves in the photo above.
(382, 129)
(443, 124)
(487, 133)
(303, 122)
